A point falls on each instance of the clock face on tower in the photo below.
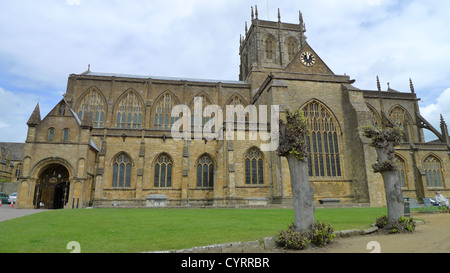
(307, 58)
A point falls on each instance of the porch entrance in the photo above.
(52, 188)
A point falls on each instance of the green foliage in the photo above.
(291, 239)
(318, 235)
(385, 166)
(293, 135)
(386, 139)
(402, 225)
(383, 138)
(382, 221)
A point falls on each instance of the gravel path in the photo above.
(7, 213)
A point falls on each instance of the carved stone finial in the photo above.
(378, 84)
(411, 86)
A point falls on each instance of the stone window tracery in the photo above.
(433, 171)
(400, 117)
(121, 171)
(401, 170)
(205, 172)
(239, 116)
(269, 45)
(130, 112)
(204, 118)
(163, 112)
(254, 167)
(93, 104)
(323, 142)
(292, 47)
(163, 171)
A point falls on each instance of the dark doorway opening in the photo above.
(52, 189)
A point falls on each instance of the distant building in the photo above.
(108, 142)
(11, 155)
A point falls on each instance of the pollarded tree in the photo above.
(384, 143)
(292, 145)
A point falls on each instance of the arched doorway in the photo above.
(52, 188)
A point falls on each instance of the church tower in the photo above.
(268, 46)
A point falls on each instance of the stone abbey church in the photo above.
(108, 142)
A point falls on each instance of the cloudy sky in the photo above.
(42, 42)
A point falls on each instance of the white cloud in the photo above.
(15, 112)
(49, 40)
(433, 111)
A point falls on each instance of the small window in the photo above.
(66, 135)
(51, 134)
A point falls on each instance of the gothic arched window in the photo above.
(376, 120)
(18, 171)
(269, 44)
(121, 171)
(163, 171)
(205, 101)
(205, 172)
(291, 47)
(239, 116)
(94, 105)
(163, 112)
(254, 167)
(129, 112)
(401, 119)
(401, 170)
(433, 171)
(323, 142)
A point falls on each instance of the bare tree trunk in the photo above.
(393, 189)
(302, 194)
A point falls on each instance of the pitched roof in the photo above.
(96, 74)
(35, 117)
(16, 150)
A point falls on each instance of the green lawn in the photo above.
(135, 230)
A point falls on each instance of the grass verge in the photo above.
(135, 230)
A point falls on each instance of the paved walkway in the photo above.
(7, 213)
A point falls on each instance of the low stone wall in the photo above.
(265, 245)
(9, 187)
